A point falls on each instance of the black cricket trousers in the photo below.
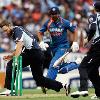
(83, 79)
(34, 58)
(91, 63)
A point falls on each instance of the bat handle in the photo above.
(69, 50)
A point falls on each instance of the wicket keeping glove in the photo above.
(43, 46)
(75, 47)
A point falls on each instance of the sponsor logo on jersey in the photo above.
(56, 31)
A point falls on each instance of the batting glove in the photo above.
(78, 60)
(43, 46)
(75, 47)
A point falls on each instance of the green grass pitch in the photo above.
(36, 94)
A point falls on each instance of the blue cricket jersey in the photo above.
(58, 30)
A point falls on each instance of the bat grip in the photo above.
(68, 50)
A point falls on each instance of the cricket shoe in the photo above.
(79, 93)
(67, 89)
(6, 92)
(95, 97)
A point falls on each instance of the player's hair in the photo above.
(4, 23)
(97, 6)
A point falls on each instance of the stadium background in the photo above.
(31, 14)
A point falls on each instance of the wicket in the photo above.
(17, 68)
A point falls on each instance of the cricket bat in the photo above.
(58, 61)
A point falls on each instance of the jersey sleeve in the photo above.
(69, 26)
(18, 34)
(92, 26)
(44, 27)
(92, 21)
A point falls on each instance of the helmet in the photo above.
(54, 11)
(97, 5)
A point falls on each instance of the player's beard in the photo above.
(55, 18)
(10, 34)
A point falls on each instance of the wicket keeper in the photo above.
(28, 48)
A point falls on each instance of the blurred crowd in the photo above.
(31, 14)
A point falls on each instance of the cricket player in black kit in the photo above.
(91, 62)
(31, 55)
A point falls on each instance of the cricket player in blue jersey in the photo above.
(57, 27)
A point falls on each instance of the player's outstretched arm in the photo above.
(18, 49)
